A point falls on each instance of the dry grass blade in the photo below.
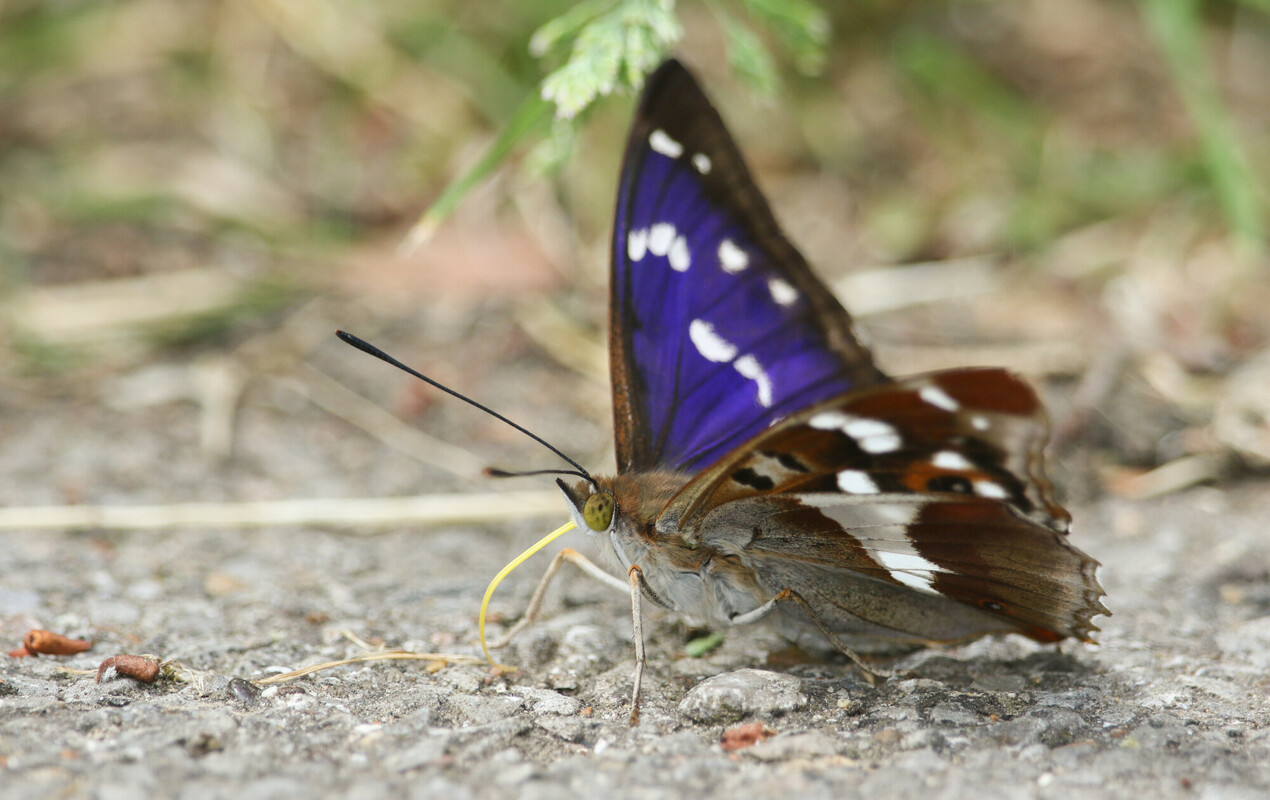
(877, 290)
(91, 312)
(564, 340)
(1178, 474)
(336, 398)
(386, 655)
(439, 509)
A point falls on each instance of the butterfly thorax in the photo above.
(705, 578)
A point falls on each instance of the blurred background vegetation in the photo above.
(179, 177)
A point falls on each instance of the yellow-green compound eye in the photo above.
(598, 511)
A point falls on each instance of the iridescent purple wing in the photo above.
(717, 325)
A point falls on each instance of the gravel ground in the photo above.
(1173, 703)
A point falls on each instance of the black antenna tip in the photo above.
(360, 344)
(370, 349)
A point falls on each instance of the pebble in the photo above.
(733, 696)
(545, 701)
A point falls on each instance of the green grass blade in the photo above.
(533, 114)
(1177, 28)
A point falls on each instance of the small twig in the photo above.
(141, 668)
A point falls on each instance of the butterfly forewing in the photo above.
(718, 327)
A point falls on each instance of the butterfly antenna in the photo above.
(495, 472)
(367, 347)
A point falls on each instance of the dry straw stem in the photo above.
(438, 509)
(335, 398)
(1180, 473)
(874, 291)
(93, 312)
(443, 659)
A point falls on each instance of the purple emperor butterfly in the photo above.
(765, 466)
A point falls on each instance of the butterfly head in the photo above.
(593, 507)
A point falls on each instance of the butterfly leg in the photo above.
(871, 672)
(638, 586)
(535, 602)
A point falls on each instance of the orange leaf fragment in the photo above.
(743, 736)
(53, 644)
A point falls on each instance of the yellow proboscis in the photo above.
(505, 571)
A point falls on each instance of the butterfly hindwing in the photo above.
(718, 326)
(974, 432)
(930, 484)
(920, 568)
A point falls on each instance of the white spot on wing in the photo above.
(680, 257)
(749, 367)
(702, 162)
(828, 420)
(947, 459)
(980, 422)
(709, 343)
(637, 244)
(660, 237)
(909, 569)
(873, 435)
(732, 258)
(782, 292)
(660, 141)
(853, 481)
(883, 515)
(989, 489)
(938, 398)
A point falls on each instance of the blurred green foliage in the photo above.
(612, 45)
(145, 135)
(1178, 29)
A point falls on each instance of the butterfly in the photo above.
(767, 468)
(765, 464)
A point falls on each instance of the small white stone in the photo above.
(732, 696)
